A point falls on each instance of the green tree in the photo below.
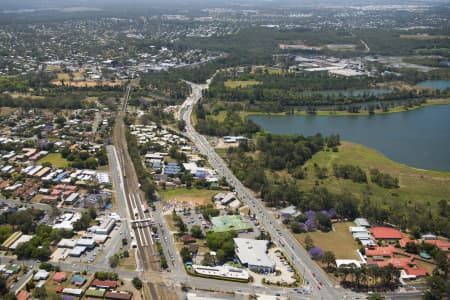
(329, 258)
(196, 232)
(436, 287)
(376, 296)
(309, 243)
(137, 283)
(185, 254)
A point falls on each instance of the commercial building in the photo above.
(105, 227)
(252, 253)
(77, 251)
(221, 271)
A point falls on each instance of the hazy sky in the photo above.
(15, 4)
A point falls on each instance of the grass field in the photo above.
(420, 186)
(26, 95)
(240, 83)
(197, 196)
(55, 159)
(340, 241)
(220, 117)
(63, 76)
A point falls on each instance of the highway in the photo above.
(321, 286)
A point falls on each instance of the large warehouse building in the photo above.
(252, 253)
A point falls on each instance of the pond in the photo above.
(418, 138)
(435, 84)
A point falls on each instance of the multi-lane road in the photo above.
(319, 282)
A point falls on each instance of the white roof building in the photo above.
(22, 239)
(253, 254)
(361, 222)
(221, 271)
(77, 251)
(228, 198)
(41, 275)
(67, 243)
(348, 263)
(354, 229)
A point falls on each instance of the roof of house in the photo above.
(41, 274)
(77, 278)
(405, 263)
(60, 276)
(405, 241)
(93, 292)
(386, 233)
(444, 246)
(188, 239)
(118, 295)
(23, 295)
(104, 283)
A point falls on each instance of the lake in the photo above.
(435, 84)
(418, 138)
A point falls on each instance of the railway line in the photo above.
(139, 218)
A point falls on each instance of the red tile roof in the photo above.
(405, 263)
(104, 283)
(405, 241)
(23, 295)
(444, 246)
(381, 251)
(386, 233)
(59, 276)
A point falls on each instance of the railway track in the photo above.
(142, 239)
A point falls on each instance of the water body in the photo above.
(418, 138)
(435, 84)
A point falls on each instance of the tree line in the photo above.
(232, 124)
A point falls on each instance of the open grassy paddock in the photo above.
(340, 241)
(197, 196)
(419, 186)
(240, 83)
(55, 159)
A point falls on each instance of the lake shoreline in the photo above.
(396, 109)
(418, 139)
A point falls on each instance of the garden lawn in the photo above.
(55, 159)
(340, 241)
